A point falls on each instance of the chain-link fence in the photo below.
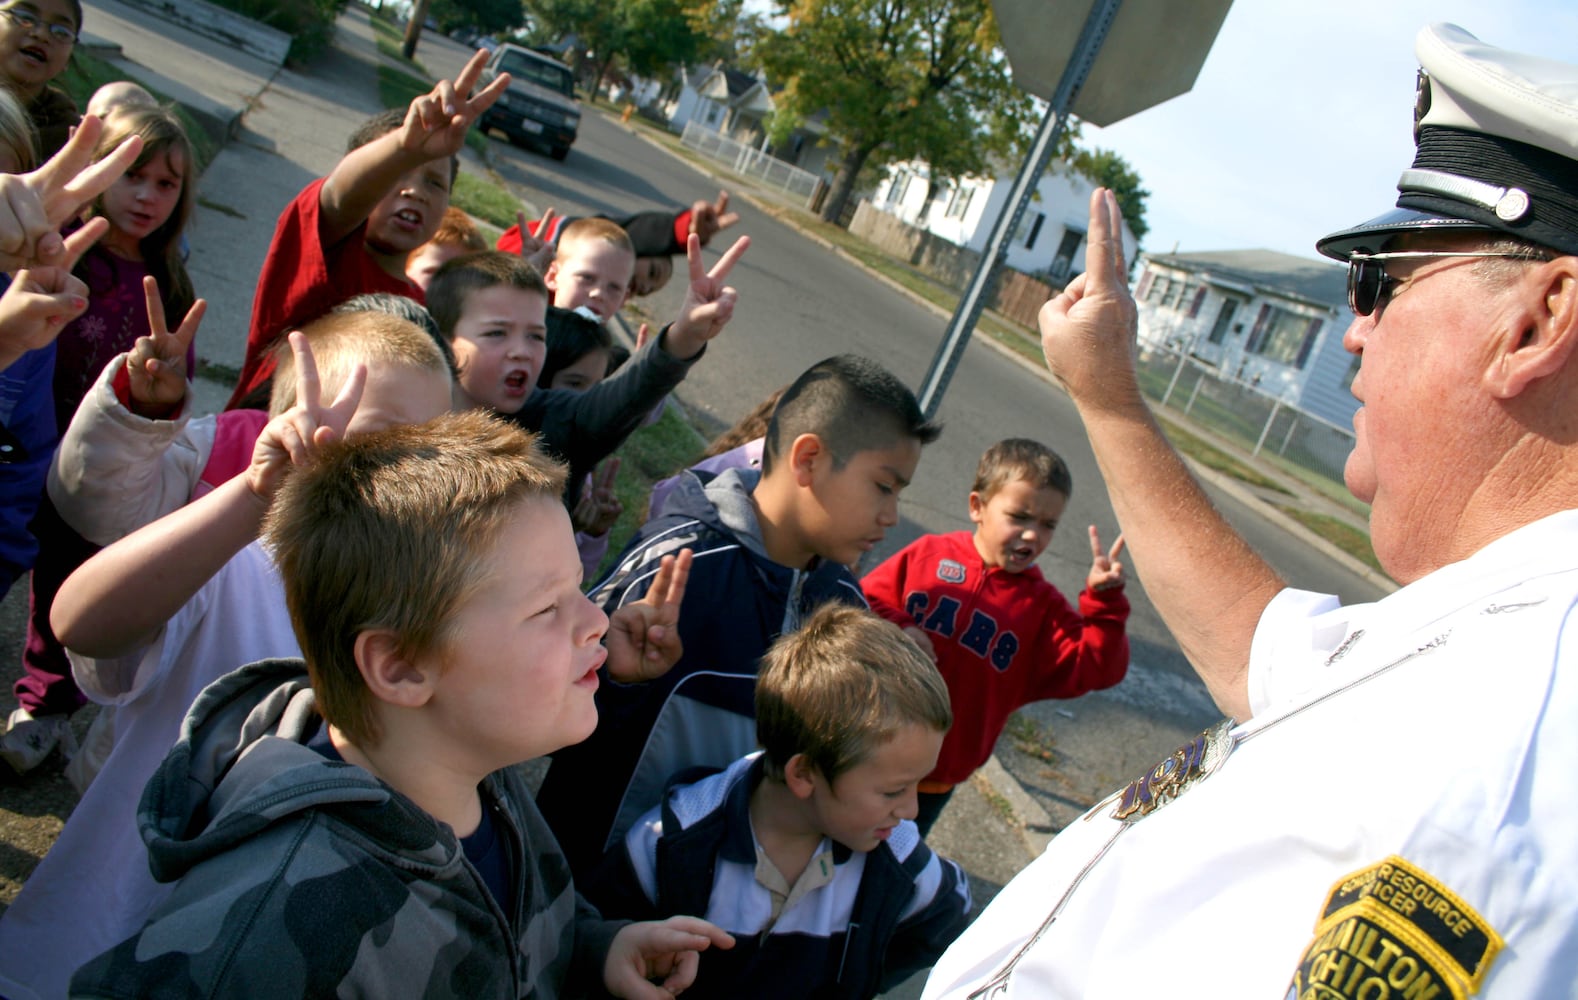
(749, 161)
(1262, 424)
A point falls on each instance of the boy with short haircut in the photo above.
(1001, 635)
(434, 589)
(770, 547)
(152, 620)
(352, 231)
(492, 307)
(805, 851)
(592, 267)
(456, 235)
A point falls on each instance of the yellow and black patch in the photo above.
(1393, 931)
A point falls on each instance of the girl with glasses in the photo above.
(36, 41)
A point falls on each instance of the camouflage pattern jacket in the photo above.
(298, 876)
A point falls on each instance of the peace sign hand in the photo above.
(643, 638)
(294, 437)
(708, 218)
(40, 301)
(536, 249)
(709, 303)
(35, 205)
(1106, 572)
(436, 122)
(157, 362)
(1088, 330)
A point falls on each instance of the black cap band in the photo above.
(1550, 181)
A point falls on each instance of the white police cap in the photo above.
(1496, 137)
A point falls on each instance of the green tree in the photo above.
(487, 16)
(645, 36)
(898, 80)
(1112, 171)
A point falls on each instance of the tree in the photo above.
(494, 17)
(898, 80)
(1112, 171)
(648, 36)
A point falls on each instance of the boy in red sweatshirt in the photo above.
(1001, 634)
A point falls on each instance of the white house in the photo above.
(1050, 240)
(1268, 318)
(737, 104)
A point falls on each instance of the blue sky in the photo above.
(1301, 119)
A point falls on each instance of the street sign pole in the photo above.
(968, 311)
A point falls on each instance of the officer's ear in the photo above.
(1541, 339)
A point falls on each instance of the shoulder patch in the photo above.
(1394, 930)
(949, 571)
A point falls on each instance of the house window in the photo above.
(959, 203)
(903, 187)
(1170, 296)
(1160, 287)
(1283, 336)
(1224, 322)
(1029, 229)
(1063, 260)
(1185, 296)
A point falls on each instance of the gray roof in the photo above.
(1267, 270)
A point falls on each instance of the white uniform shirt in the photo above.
(1430, 732)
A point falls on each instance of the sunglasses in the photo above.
(1370, 287)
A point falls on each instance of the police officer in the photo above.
(1386, 811)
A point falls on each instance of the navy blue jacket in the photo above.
(881, 916)
(702, 712)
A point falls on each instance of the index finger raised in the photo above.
(608, 473)
(83, 186)
(468, 75)
(308, 387)
(78, 242)
(1117, 547)
(730, 257)
(678, 579)
(1100, 259)
(155, 304)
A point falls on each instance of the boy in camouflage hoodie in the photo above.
(351, 825)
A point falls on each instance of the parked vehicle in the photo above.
(539, 108)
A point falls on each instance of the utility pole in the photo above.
(413, 30)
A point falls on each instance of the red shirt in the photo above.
(302, 280)
(1002, 639)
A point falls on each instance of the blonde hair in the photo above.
(17, 133)
(393, 530)
(589, 228)
(341, 341)
(840, 686)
